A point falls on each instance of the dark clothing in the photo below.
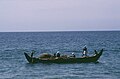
(84, 49)
(54, 54)
(58, 54)
(32, 54)
(95, 51)
(74, 55)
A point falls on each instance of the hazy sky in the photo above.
(59, 15)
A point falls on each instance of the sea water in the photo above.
(13, 64)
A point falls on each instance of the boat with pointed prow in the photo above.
(48, 58)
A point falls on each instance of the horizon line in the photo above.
(59, 30)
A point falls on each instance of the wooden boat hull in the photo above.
(65, 60)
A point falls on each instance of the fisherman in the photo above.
(32, 53)
(54, 54)
(84, 53)
(58, 54)
(32, 56)
(73, 55)
(95, 52)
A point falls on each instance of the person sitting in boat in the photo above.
(84, 53)
(58, 54)
(54, 55)
(73, 55)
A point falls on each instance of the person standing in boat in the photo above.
(58, 54)
(84, 53)
(32, 53)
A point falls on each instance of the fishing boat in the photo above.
(64, 59)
